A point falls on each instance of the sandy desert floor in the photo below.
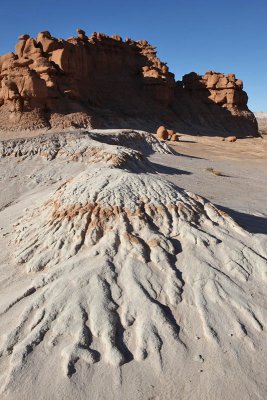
(117, 284)
(241, 190)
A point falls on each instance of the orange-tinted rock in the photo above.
(47, 42)
(117, 37)
(170, 133)
(28, 49)
(226, 100)
(223, 89)
(115, 83)
(6, 59)
(175, 137)
(231, 139)
(162, 133)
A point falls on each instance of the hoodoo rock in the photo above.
(102, 81)
(216, 101)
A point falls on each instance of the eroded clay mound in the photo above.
(110, 258)
(92, 146)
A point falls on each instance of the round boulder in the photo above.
(231, 139)
(170, 133)
(175, 137)
(162, 133)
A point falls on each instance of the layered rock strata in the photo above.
(102, 81)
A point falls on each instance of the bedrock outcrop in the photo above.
(102, 81)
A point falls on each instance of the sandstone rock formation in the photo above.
(107, 82)
(216, 101)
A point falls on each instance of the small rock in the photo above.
(170, 133)
(231, 139)
(175, 137)
(199, 358)
(162, 133)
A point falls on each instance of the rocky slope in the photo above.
(102, 81)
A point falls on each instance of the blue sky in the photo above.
(225, 36)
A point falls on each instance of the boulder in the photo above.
(162, 133)
(175, 137)
(47, 42)
(171, 132)
(28, 49)
(6, 59)
(231, 139)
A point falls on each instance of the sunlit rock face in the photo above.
(102, 81)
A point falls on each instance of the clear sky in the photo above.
(224, 36)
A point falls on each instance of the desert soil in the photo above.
(118, 284)
(240, 190)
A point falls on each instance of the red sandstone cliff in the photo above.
(102, 81)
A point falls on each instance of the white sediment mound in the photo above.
(114, 252)
(77, 146)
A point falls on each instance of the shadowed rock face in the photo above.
(216, 100)
(102, 81)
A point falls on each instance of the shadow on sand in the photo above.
(251, 223)
(176, 153)
(164, 169)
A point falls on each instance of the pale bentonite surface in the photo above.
(118, 284)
